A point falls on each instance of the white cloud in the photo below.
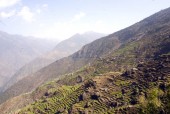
(8, 3)
(62, 30)
(45, 5)
(26, 14)
(7, 14)
(57, 30)
(102, 27)
(78, 16)
(38, 11)
(41, 8)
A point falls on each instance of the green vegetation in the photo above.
(152, 104)
(103, 90)
(99, 89)
(56, 100)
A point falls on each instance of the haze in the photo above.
(60, 19)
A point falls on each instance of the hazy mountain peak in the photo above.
(16, 51)
(63, 49)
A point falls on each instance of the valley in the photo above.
(124, 72)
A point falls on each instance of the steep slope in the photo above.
(144, 89)
(111, 92)
(133, 42)
(63, 49)
(16, 51)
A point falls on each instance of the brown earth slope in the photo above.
(152, 31)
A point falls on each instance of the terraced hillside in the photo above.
(144, 89)
(102, 71)
(123, 72)
(124, 58)
(151, 30)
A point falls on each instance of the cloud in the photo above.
(7, 14)
(78, 16)
(45, 5)
(41, 8)
(26, 14)
(38, 11)
(63, 30)
(8, 3)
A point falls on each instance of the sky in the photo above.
(60, 19)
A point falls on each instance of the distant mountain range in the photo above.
(63, 49)
(16, 51)
(124, 72)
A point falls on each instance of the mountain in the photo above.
(144, 89)
(137, 90)
(116, 55)
(98, 89)
(16, 51)
(63, 49)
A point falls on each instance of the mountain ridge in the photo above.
(156, 30)
(62, 49)
(16, 50)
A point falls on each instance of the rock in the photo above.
(134, 69)
(113, 104)
(84, 96)
(133, 101)
(60, 110)
(134, 83)
(80, 79)
(95, 96)
(140, 64)
(87, 105)
(163, 77)
(46, 94)
(123, 91)
(90, 83)
(127, 73)
(162, 86)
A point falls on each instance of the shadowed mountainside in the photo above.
(16, 51)
(63, 49)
